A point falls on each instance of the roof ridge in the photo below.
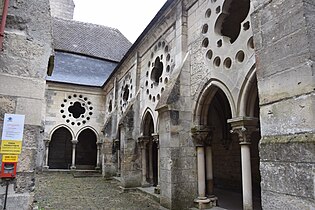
(86, 23)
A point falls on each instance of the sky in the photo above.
(129, 16)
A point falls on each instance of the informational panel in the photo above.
(12, 134)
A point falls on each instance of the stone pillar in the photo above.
(143, 141)
(209, 170)
(150, 146)
(98, 166)
(74, 143)
(201, 137)
(47, 141)
(157, 189)
(244, 127)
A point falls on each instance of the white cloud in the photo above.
(130, 17)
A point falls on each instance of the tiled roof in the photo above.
(81, 70)
(89, 39)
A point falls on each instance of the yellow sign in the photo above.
(11, 147)
(10, 158)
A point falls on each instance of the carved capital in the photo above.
(244, 127)
(155, 138)
(74, 141)
(202, 136)
(143, 141)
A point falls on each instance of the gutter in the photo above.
(3, 21)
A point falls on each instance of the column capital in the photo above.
(46, 141)
(202, 135)
(143, 140)
(243, 127)
(74, 141)
(155, 137)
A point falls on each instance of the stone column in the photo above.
(244, 127)
(143, 141)
(74, 143)
(201, 136)
(47, 141)
(209, 170)
(150, 145)
(98, 166)
(157, 189)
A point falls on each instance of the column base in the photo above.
(206, 203)
(157, 189)
(145, 184)
(97, 168)
(73, 167)
(45, 168)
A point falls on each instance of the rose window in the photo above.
(76, 110)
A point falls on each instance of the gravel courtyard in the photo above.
(70, 190)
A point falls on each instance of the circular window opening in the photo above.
(217, 61)
(157, 70)
(205, 42)
(246, 26)
(209, 54)
(205, 28)
(208, 13)
(76, 110)
(227, 63)
(250, 43)
(218, 10)
(126, 93)
(240, 56)
(219, 43)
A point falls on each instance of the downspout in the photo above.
(3, 21)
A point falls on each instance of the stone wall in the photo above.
(62, 8)
(284, 37)
(23, 67)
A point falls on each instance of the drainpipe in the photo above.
(4, 18)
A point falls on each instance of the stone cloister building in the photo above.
(213, 105)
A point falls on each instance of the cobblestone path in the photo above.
(65, 191)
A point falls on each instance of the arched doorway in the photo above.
(151, 151)
(227, 178)
(60, 149)
(86, 150)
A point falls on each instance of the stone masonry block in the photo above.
(7, 105)
(291, 148)
(22, 87)
(296, 81)
(273, 201)
(32, 109)
(27, 160)
(295, 115)
(296, 179)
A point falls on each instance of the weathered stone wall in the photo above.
(23, 66)
(62, 8)
(284, 44)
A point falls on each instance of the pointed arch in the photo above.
(145, 118)
(91, 128)
(205, 97)
(248, 94)
(60, 126)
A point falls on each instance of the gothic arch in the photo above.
(60, 126)
(91, 128)
(148, 112)
(248, 94)
(205, 97)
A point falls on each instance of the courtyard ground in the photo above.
(70, 190)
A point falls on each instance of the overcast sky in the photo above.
(128, 16)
